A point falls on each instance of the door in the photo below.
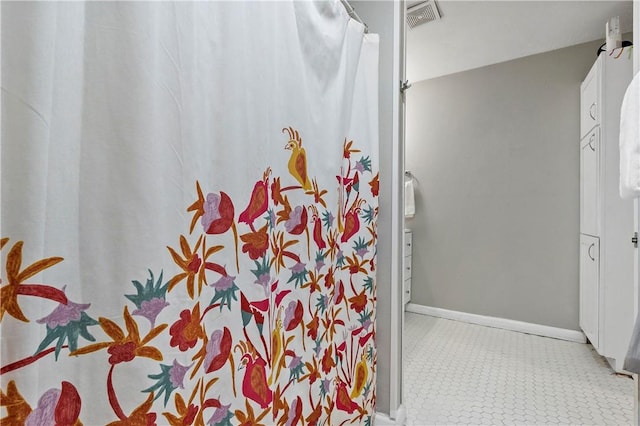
(589, 183)
(590, 287)
(589, 102)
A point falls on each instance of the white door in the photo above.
(589, 187)
(589, 287)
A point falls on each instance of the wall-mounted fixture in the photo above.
(422, 13)
(614, 37)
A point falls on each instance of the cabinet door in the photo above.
(589, 100)
(406, 298)
(589, 183)
(590, 288)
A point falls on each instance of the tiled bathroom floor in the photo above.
(459, 373)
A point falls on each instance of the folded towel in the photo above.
(630, 141)
(409, 200)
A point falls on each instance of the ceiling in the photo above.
(472, 34)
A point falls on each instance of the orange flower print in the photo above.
(375, 186)
(358, 302)
(256, 243)
(9, 293)
(347, 150)
(125, 348)
(327, 360)
(140, 416)
(276, 193)
(187, 413)
(317, 194)
(192, 264)
(16, 407)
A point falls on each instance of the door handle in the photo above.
(592, 112)
(589, 251)
(591, 139)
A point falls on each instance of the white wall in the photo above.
(383, 18)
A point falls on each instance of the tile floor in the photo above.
(459, 373)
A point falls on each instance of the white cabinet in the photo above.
(589, 99)
(589, 183)
(589, 287)
(406, 275)
(606, 221)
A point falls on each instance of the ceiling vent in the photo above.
(422, 13)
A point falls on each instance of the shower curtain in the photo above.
(189, 205)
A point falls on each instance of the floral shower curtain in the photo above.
(189, 206)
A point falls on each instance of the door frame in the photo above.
(636, 209)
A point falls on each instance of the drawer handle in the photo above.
(589, 251)
(591, 139)
(592, 112)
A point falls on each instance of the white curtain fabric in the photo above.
(189, 203)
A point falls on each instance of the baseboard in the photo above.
(384, 420)
(506, 324)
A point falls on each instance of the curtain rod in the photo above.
(351, 11)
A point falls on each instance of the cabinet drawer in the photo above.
(406, 291)
(590, 183)
(406, 273)
(408, 242)
(590, 101)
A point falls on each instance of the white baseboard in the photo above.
(384, 420)
(507, 324)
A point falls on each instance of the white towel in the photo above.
(630, 141)
(409, 200)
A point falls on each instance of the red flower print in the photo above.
(121, 352)
(256, 243)
(338, 293)
(56, 406)
(218, 213)
(328, 279)
(187, 330)
(218, 350)
(297, 221)
(313, 327)
(293, 315)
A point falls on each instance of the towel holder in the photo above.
(408, 174)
